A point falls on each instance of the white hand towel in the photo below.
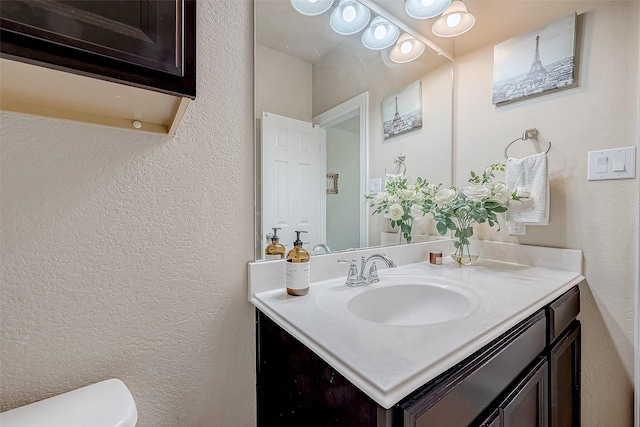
(531, 173)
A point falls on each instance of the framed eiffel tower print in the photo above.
(402, 111)
(535, 63)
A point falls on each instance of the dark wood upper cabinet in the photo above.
(143, 43)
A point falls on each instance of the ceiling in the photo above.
(496, 21)
(276, 20)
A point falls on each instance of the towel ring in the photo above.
(400, 159)
(528, 134)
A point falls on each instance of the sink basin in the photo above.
(409, 304)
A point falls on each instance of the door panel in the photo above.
(293, 183)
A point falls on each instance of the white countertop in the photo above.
(388, 362)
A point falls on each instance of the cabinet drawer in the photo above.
(562, 312)
(460, 398)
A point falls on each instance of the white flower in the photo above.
(411, 194)
(502, 194)
(477, 193)
(393, 200)
(416, 211)
(406, 194)
(396, 212)
(381, 197)
(444, 196)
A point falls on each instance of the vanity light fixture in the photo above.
(349, 17)
(454, 21)
(426, 9)
(380, 35)
(407, 49)
(311, 7)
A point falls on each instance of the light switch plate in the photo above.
(517, 228)
(616, 163)
(375, 186)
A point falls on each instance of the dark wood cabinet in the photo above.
(460, 395)
(526, 377)
(297, 388)
(564, 387)
(493, 420)
(527, 404)
(143, 43)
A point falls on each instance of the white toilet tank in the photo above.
(105, 404)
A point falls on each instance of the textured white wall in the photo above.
(124, 254)
(597, 217)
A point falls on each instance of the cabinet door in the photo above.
(565, 379)
(527, 405)
(149, 43)
(297, 388)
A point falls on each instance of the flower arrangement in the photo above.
(404, 203)
(453, 209)
(458, 210)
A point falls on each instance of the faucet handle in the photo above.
(353, 277)
(373, 273)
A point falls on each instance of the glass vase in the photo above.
(464, 251)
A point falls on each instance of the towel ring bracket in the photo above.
(531, 133)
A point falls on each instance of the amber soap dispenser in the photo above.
(298, 272)
(275, 250)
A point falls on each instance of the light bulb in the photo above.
(380, 32)
(427, 3)
(453, 20)
(349, 13)
(406, 47)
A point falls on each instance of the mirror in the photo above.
(310, 80)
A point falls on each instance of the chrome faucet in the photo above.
(325, 248)
(368, 271)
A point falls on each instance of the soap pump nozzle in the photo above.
(275, 237)
(298, 242)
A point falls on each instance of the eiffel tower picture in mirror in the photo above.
(402, 112)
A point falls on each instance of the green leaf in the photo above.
(491, 204)
(442, 228)
(449, 223)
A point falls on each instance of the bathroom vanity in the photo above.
(503, 351)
